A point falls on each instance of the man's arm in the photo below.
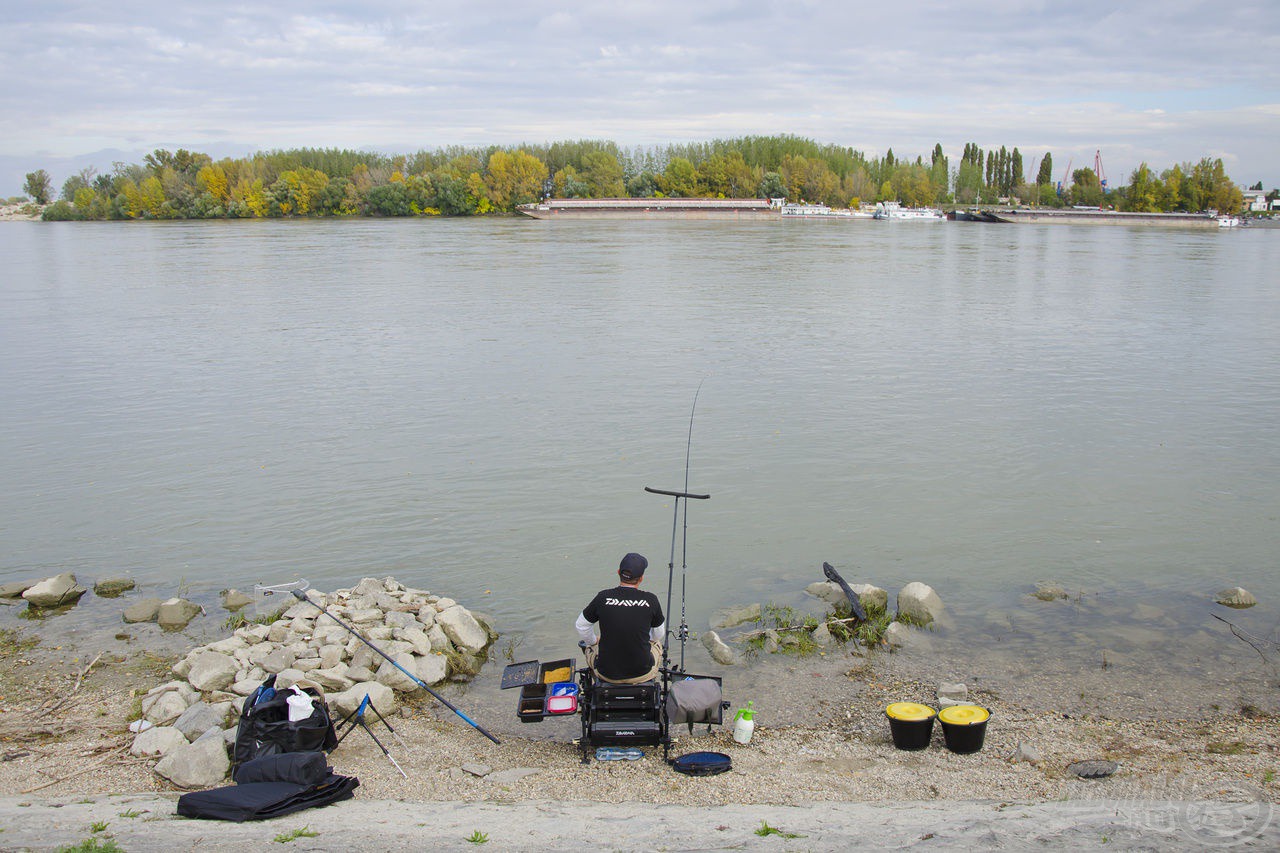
(656, 634)
(585, 629)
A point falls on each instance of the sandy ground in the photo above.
(828, 773)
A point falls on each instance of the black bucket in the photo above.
(910, 724)
(964, 727)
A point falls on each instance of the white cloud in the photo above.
(1160, 80)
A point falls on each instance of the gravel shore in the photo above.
(826, 772)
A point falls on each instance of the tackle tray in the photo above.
(520, 674)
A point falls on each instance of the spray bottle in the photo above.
(744, 723)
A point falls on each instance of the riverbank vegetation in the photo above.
(459, 181)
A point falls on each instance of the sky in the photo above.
(1155, 81)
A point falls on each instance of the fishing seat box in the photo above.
(625, 714)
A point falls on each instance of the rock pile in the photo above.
(429, 635)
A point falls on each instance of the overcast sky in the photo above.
(1161, 81)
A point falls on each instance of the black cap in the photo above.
(632, 567)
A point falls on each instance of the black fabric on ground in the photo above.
(298, 768)
(264, 800)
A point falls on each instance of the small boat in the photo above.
(895, 212)
(1228, 222)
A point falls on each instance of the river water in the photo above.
(475, 406)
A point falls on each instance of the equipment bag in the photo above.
(265, 728)
(695, 700)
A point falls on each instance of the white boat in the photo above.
(1228, 222)
(820, 210)
(895, 212)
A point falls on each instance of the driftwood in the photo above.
(762, 631)
(1255, 642)
(79, 681)
(115, 753)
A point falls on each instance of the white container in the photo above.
(742, 729)
(300, 706)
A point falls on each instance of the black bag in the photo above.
(265, 728)
(296, 768)
(263, 800)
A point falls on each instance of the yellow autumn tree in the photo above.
(514, 178)
(213, 180)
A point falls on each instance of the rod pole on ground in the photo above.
(301, 596)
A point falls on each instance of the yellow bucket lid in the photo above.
(909, 711)
(964, 715)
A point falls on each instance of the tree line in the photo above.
(463, 181)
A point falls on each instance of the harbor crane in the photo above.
(1097, 168)
(1062, 184)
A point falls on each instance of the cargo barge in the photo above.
(1077, 216)
(651, 208)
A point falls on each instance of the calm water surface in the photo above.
(475, 407)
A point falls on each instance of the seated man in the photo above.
(631, 628)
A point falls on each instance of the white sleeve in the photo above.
(586, 630)
(657, 634)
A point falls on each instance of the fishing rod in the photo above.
(682, 633)
(298, 590)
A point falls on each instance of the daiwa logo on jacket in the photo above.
(625, 602)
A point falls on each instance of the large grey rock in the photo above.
(234, 599)
(112, 587)
(918, 602)
(145, 610)
(736, 616)
(277, 660)
(158, 740)
(897, 635)
(212, 671)
(380, 695)
(202, 764)
(417, 638)
(1236, 597)
(165, 708)
(828, 591)
(432, 668)
(201, 717)
(720, 653)
(56, 591)
(462, 629)
(15, 589)
(228, 646)
(439, 640)
(176, 613)
(1050, 591)
(332, 680)
(400, 619)
(389, 675)
(822, 635)
(870, 595)
(368, 586)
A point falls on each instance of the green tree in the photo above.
(1086, 189)
(38, 186)
(1045, 175)
(603, 175)
(1143, 193)
(679, 179)
(771, 186)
